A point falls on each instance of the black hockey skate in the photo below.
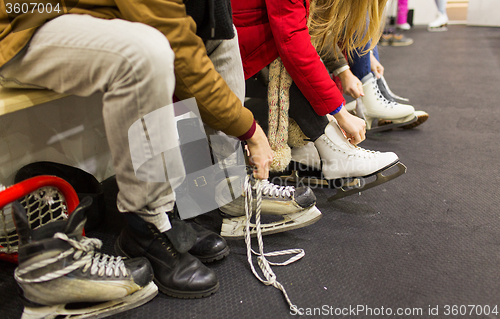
(63, 276)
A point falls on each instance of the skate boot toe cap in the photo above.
(389, 158)
(406, 108)
(140, 269)
(304, 196)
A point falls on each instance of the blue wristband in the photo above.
(337, 109)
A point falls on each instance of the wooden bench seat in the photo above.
(12, 100)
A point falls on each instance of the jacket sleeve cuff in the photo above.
(249, 133)
(337, 109)
(340, 70)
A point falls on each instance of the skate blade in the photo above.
(234, 228)
(100, 310)
(438, 29)
(294, 179)
(380, 178)
(389, 126)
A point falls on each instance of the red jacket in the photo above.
(271, 28)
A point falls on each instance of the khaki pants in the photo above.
(132, 64)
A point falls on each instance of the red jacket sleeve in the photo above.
(288, 22)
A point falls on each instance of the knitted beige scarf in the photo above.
(283, 132)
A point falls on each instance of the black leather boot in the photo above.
(209, 246)
(179, 275)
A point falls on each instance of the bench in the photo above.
(12, 100)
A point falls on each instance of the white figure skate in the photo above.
(374, 106)
(440, 24)
(386, 91)
(295, 207)
(343, 166)
(405, 26)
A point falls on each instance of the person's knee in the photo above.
(155, 47)
(148, 56)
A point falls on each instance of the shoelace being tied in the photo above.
(263, 263)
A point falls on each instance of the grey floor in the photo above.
(425, 240)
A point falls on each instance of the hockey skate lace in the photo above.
(271, 189)
(263, 263)
(84, 254)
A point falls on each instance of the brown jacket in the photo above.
(195, 73)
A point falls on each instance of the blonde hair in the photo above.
(348, 23)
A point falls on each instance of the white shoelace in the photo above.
(358, 151)
(263, 263)
(100, 264)
(361, 152)
(271, 189)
